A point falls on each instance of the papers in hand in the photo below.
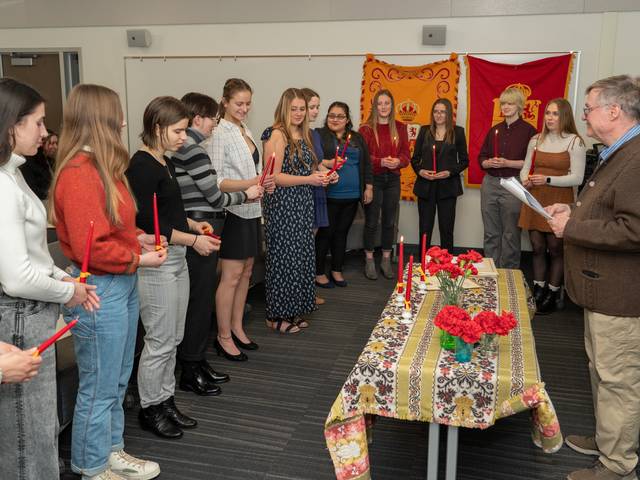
(516, 189)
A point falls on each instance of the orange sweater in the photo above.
(80, 199)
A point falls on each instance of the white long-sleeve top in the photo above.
(26, 267)
(554, 143)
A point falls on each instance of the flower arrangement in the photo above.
(494, 324)
(452, 275)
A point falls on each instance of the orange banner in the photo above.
(414, 90)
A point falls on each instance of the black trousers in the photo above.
(386, 198)
(202, 291)
(334, 237)
(446, 219)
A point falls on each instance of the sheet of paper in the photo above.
(516, 189)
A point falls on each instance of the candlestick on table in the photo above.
(50, 341)
(495, 143)
(433, 156)
(533, 161)
(407, 296)
(400, 285)
(423, 257)
(84, 269)
(156, 222)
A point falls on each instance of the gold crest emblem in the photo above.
(407, 110)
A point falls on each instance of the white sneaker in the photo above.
(106, 475)
(132, 468)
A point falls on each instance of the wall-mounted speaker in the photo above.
(139, 38)
(434, 34)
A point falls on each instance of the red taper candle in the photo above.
(400, 263)
(47, 343)
(407, 294)
(156, 222)
(394, 147)
(423, 255)
(84, 270)
(346, 144)
(495, 143)
(533, 161)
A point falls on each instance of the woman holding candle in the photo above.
(31, 291)
(288, 214)
(559, 166)
(439, 158)
(355, 185)
(89, 185)
(235, 156)
(164, 292)
(388, 146)
(501, 156)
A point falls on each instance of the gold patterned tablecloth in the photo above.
(403, 373)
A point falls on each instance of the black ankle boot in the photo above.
(211, 375)
(539, 292)
(548, 304)
(154, 418)
(193, 379)
(177, 417)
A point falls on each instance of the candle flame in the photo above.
(401, 238)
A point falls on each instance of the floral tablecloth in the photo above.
(403, 373)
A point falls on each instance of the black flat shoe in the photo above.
(328, 284)
(177, 417)
(244, 346)
(194, 380)
(154, 419)
(211, 375)
(241, 357)
(339, 283)
(548, 304)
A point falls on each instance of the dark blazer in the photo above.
(453, 157)
(602, 237)
(329, 143)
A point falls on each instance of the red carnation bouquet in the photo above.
(452, 275)
(457, 322)
(494, 324)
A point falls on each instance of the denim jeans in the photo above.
(28, 413)
(386, 198)
(104, 343)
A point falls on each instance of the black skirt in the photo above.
(239, 237)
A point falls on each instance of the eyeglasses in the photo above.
(588, 110)
(336, 116)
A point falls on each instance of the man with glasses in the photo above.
(601, 234)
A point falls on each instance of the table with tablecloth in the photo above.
(403, 373)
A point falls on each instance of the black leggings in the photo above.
(334, 237)
(543, 242)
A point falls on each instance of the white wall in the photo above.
(607, 42)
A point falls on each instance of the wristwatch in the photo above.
(548, 179)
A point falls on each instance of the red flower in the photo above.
(457, 322)
(492, 323)
(471, 256)
(439, 255)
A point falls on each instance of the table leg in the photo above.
(434, 450)
(452, 452)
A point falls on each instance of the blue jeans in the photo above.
(104, 343)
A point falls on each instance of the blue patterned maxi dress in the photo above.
(288, 215)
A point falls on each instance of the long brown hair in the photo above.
(231, 87)
(282, 122)
(565, 120)
(374, 118)
(93, 118)
(450, 134)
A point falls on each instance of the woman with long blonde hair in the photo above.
(388, 145)
(89, 185)
(289, 215)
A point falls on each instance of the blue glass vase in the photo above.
(463, 350)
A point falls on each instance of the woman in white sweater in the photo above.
(553, 166)
(31, 291)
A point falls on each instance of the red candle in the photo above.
(268, 168)
(400, 263)
(533, 161)
(156, 222)
(423, 256)
(47, 343)
(407, 295)
(433, 157)
(273, 163)
(209, 233)
(346, 144)
(495, 143)
(394, 147)
(84, 270)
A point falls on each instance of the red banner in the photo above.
(540, 81)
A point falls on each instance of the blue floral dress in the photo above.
(290, 246)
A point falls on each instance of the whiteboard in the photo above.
(334, 77)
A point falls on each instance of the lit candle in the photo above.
(47, 343)
(407, 295)
(156, 222)
(400, 263)
(84, 270)
(423, 256)
(394, 147)
(433, 157)
(346, 144)
(495, 143)
(533, 161)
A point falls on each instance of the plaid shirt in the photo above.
(232, 159)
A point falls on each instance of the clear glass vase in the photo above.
(489, 343)
(463, 350)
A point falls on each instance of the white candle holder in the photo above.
(406, 318)
(422, 285)
(399, 299)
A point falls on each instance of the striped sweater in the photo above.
(197, 178)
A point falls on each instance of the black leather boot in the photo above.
(194, 380)
(177, 417)
(154, 418)
(548, 304)
(539, 292)
(211, 375)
